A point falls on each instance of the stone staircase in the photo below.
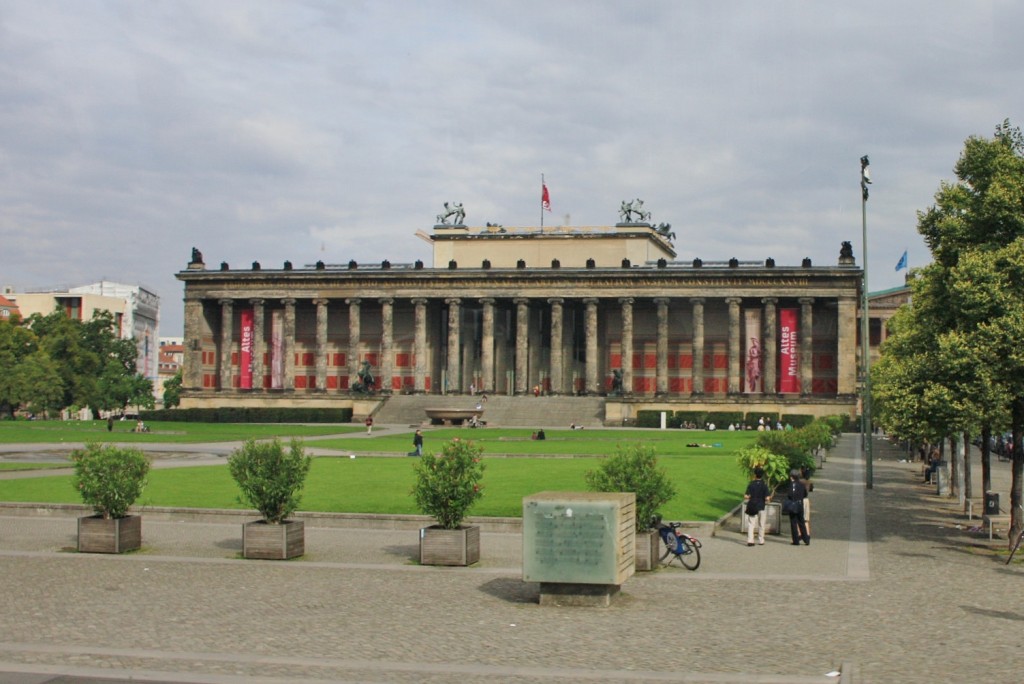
(499, 411)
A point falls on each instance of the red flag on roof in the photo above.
(545, 198)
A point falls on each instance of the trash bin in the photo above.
(991, 503)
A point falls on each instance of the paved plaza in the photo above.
(896, 586)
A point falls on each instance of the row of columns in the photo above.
(556, 370)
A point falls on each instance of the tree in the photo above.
(172, 391)
(955, 358)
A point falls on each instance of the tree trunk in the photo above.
(954, 467)
(986, 456)
(1017, 467)
(967, 490)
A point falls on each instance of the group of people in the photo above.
(797, 505)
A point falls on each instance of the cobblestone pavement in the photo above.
(895, 587)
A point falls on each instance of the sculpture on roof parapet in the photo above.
(197, 256)
(632, 212)
(455, 212)
(665, 231)
(846, 254)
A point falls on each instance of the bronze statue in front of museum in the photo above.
(604, 311)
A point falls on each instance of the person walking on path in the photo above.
(755, 498)
(369, 424)
(417, 442)
(794, 507)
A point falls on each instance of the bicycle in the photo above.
(1016, 545)
(678, 544)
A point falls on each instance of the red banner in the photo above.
(789, 352)
(245, 345)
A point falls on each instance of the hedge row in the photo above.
(251, 415)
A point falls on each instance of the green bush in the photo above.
(634, 468)
(776, 466)
(770, 418)
(792, 444)
(270, 479)
(109, 478)
(698, 418)
(797, 420)
(722, 419)
(448, 484)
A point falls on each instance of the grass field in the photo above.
(57, 431)
(708, 479)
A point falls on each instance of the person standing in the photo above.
(110, 423)
(369, 424)
(417, 442)
(755, 498)
(795, 508)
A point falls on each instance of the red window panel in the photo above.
(408, 383)
(650, 361)
(427, 383)
(343, 382)
(721, 361)
(311, 381)
(824, 386)
(372, 358)
(266, 359)
(267, 382)
(332, 382)
(686, 360)
(308, 360)
(209, 380)
(679, 385)
(403, 360)
(234, 358)
(615, 360)
(300, 382)
(672, 361)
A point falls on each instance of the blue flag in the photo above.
(903, 261)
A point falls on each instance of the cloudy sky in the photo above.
(324, 129)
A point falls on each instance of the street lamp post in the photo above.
(865, 337)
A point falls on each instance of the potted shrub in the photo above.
(776, 471)
(271, 480)
(447, 486)
(109, 479)
(634, 468)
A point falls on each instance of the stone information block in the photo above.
(578, 537)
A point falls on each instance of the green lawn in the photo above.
(708, 479)
(57, 431)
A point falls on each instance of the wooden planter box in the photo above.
(97, 534)
(648, 550)
(265, 541)
(449, 547)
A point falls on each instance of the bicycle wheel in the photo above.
(690, 555)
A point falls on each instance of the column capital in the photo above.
(734, 300)
(626, 300)
(453, 300)
(288, 301)
(590, 300)
(419, 300)
(486, 300)
(556, 300)
(661, 301)
(256, 301)
(321, 301)
(698, 300)
(226, 301)
(521, 300)
(353, 300)
(769, 300)
(806, 300)
(386, 300)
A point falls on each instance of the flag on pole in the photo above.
(902, 262)
(545, 198)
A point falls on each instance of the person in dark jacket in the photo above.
(755, 498)
(795, 508)
(417, 443)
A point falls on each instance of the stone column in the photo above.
(591, 382)
(806, 345)
(288, 345)
(735, 348)
(259, 346)
(454, 336)
(697, 370)
(227, 332)
(321, 344)
(192, 375)
(354, 333)
(627, 345)
(387, 344)
(661, 381)
(487, 349)
(557, 369)
(420, 346)
(846, 353)
(770, 379)
(522, 344)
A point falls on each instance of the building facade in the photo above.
(584, 311)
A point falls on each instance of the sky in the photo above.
(305, 130)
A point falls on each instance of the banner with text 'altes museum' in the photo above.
(789, 354)
(245, 349)
(752, 351)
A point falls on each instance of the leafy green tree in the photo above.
(17, 343)
(172, 391)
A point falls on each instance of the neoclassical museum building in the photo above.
(606, 311)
